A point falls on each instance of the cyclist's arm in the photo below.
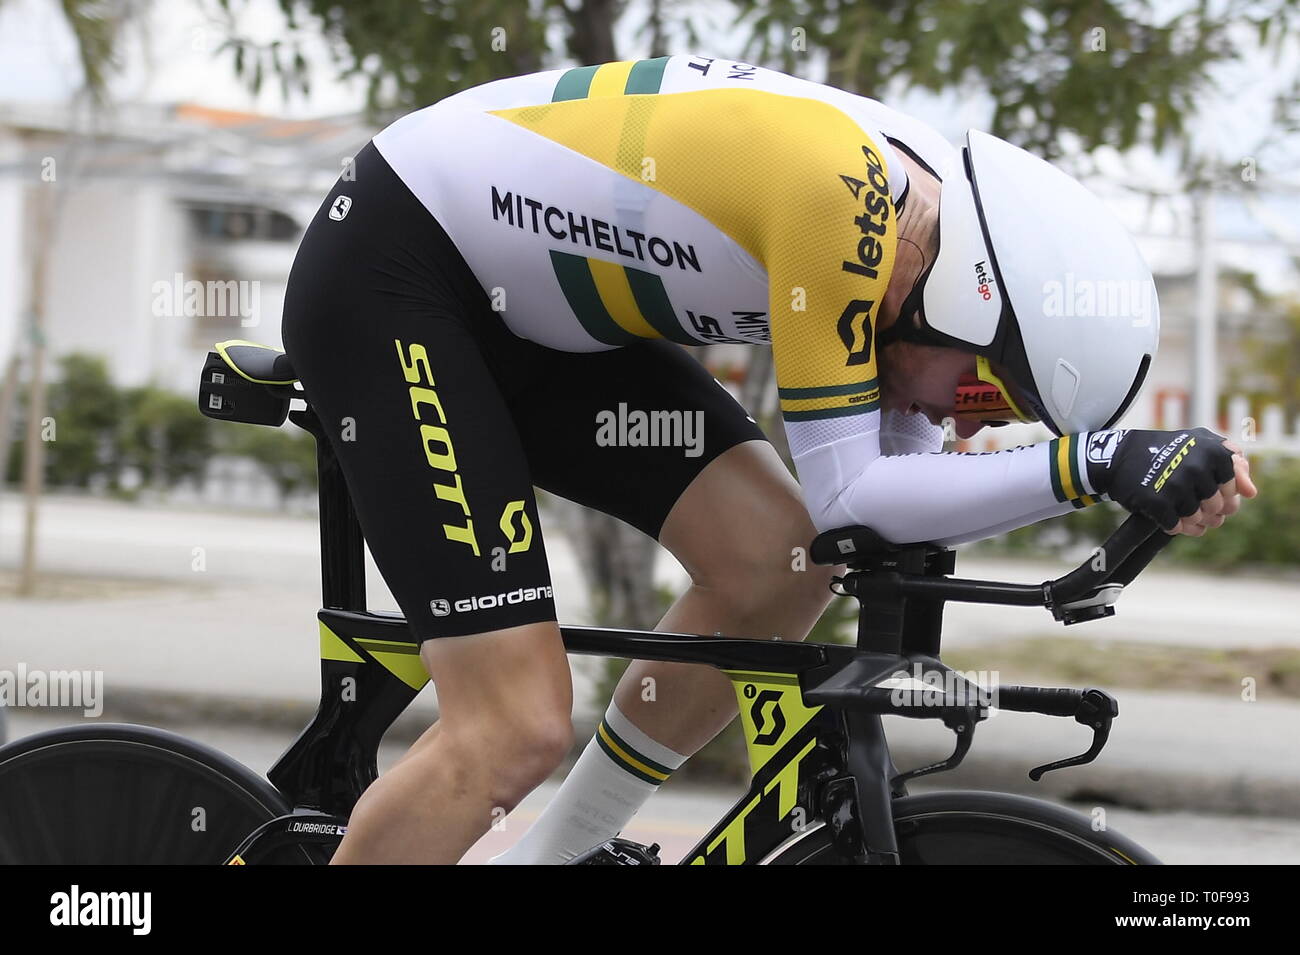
(947, 497)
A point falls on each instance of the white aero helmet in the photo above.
(1036, 274)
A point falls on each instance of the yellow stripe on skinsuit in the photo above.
(779, 175)
(616, 294)
(737, 196)
(610, 79)
(1063, 452)
(628, 758)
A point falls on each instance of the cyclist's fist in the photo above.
(1225, 502)
(1186, 481)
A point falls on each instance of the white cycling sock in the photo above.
(618, 771)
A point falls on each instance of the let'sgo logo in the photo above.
(983, 282)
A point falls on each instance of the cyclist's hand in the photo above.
(1186, 481)
(1225, 502)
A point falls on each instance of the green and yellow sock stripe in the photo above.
(829, 401)
(1067, 478)
(611, 79)
(617, 749)
(616, 304)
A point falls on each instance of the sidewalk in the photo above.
(236, 640)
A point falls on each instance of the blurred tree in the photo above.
(1271, 372)
(409, 55)
(1108, 72)
(286, 455)
(162, 437)
(86, 408)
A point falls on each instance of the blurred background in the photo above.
(158, 161)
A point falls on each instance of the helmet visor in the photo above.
(990, 396)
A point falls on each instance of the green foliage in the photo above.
(1271, 371)
(838, 624)
(286, 455)
(85, 407)
(163, 435)
(409, 55)
(96, 27)
(1264, 531)
(1111, 72)
(1114, 72)
(101, 430)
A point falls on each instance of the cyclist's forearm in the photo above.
(1057, 509)
(948, 497)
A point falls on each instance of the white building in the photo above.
(159, 198)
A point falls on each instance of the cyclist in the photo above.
(495, 290)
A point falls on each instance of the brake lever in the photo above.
(962, 722)
(1097, 709)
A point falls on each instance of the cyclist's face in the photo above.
(922, 379)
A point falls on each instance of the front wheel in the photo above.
(117, 793)
(980, 828)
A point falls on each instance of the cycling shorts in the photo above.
(443, 420)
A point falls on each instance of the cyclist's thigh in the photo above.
(627, 431)
(376, 331)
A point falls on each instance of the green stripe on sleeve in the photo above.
(827, 391)
(574, 84)
(574, 276)
(652, 299)
(830, 412)
(646, 76)
(1053, 452)
(1079, 487)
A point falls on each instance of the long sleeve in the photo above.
(946, 497)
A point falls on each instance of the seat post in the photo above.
(342, 554)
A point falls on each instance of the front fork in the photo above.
(858, 806)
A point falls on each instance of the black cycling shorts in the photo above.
(443, 420)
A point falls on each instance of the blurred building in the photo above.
(176, 227)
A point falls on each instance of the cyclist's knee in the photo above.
(506, 698)
(758, 589)
(503, 759)
(526, 748)
(766, 569)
